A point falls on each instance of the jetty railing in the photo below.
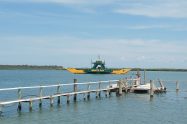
(58, 94)
(123, 85)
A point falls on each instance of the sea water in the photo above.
(165, 108)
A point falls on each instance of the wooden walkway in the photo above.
(122, 85)
(86, 93)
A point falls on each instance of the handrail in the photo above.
(47, 86)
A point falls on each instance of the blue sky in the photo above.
(126, 33)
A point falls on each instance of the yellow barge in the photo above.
(98, 68)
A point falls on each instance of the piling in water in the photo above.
(120, 87)
(68, 99)
(51, 101)
(177, 86)
(99, 92)
(151, 88)
(58, 92)
(75, 89)
(88, 88)
(40, 94)
(19, 97)
(30, 105)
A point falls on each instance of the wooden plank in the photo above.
(48, 86)
(48, 97)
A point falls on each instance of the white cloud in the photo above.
(140, 27)
(174, 27)
(117, 52)
(156, 8)
(65, 1)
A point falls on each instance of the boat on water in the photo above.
(137, 87)
(98, 68)
(145, 88)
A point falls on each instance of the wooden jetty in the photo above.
(19, 100)
(122, 85)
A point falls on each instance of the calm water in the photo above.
(167, 108)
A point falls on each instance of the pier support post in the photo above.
(40, 103)
(40, 94)
(68, 100)
(84, 96)
(126, 85)
(30, 105)
(177, 86)
(58, 92)
(75, 89)
(120, 87)
(151, 88)
(99, 88)
(144, 76)
(97, 92)
(106, 93)
(19, 97)
(58, 101)
(51, 101)
(19, 107)
(88, 95)
(109, 93)
(1, 110)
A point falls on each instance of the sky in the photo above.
(71, 33)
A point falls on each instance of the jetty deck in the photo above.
(58, 94)
(123, 85)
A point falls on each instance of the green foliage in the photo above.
(30, 67)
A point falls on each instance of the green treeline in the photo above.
(30, 67)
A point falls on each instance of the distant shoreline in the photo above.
(31, 67)
(55, 67)
(159, 69)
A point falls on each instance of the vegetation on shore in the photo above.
(55, 67)
(31, 67)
